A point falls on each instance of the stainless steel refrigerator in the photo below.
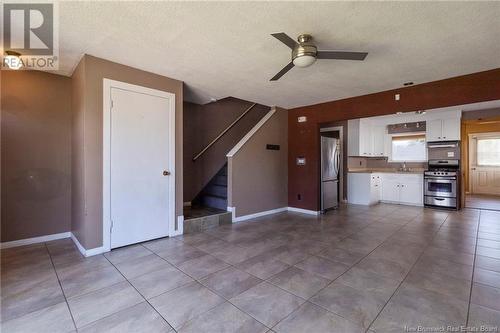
(330, 171)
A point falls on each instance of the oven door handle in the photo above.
(447, 179)
(439, 199)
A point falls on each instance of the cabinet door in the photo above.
(353, 138)
(378, 135)
(365, 138)
(434, 130)
(390, 189)
(411, 193)
(375, 189)
(451, 129)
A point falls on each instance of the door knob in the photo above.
(166, 173)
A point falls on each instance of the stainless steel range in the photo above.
(441, 180)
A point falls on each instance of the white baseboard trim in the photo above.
(255, 215)
(303, 211)
(180, 227)
(83, 251)
(34, 240)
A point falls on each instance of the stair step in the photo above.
(214, 201)
(216, 190)
(219, 180)
(203, 223)
(223, 171)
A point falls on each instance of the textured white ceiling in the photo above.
(224, 49)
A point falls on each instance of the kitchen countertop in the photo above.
(375, 170)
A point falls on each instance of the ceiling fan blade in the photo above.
(283, 71)
(285, 39)
(341, 55)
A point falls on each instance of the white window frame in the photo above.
(391, 136)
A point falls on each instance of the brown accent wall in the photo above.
(202, 123)
(36, 154)
(304, 137)
(258, 177)
(90, 88)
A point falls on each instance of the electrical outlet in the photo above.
(396, 97)
(299, 197)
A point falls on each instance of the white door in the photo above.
(485, 163)
(451, 129)
(434, 130)
(140, 152)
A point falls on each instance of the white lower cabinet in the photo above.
(371, 188)
(390, 188)
(403, 188)
(363, 188)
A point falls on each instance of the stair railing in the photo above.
(223, 132)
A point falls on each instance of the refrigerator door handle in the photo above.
(337, 164)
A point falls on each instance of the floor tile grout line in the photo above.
(60, 286)
(441, 227)
(328, 310)
(265, 280)
(130, 283)
(404, 278)
(473, 270)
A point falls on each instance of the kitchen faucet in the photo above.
(404, 168)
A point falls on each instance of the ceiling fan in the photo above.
(305, 53)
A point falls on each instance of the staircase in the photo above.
(209, 208)
(214, 194)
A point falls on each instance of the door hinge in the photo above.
(111, 227)
(112, 103)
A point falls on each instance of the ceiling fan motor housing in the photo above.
(305, 48)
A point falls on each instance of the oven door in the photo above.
(440, 187)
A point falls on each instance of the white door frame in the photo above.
(106, 158)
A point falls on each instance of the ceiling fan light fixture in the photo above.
(304, 60)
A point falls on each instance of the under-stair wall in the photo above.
(202, 123)
(258, 169)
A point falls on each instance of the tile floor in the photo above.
(357, 269)
(481, 201)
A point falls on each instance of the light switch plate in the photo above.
(302, 119)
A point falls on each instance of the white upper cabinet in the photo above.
(378, 136)
(451, 129)
(365, 139)
(433, 130)
(443, 129)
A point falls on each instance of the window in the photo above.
(488, 151)
(409, 148)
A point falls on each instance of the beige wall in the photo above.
(95, 70)
(202, 123)
(258, 178)
(36, 154)
(78, 152)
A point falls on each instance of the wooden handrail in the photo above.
(223, 132)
